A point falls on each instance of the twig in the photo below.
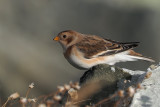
(27, 93)
(118, 102)
(30, 87)
(81, 101)
(104, 100)
(4, 105)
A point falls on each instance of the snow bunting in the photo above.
(85, 51)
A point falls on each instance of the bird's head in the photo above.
(68, 38)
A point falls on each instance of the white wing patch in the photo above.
(101, 53)
(120, 57)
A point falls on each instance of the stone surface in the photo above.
(149, 95)
(100, 82)
(104, 72)
(134, 79)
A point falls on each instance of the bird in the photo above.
(84, 51)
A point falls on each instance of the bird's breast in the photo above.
(77, 59)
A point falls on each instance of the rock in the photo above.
(100, 82)
(104, 72)
(103, 82)
(149, 95)
(134, 79)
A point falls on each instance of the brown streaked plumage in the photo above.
(84, 51)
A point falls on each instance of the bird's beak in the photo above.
(56, 38)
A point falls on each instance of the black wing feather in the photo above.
(121, 47)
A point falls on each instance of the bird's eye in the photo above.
(64, 36)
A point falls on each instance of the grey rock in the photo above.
(149, 95)
(100, 82)
(103, 81)
(104, 72)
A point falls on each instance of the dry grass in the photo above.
(70, 95)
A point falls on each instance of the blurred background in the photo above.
(27, 28)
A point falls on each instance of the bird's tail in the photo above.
(135, 55)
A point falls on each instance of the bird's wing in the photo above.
(93, 46)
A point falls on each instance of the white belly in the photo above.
(78, 61)
(83, 63)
